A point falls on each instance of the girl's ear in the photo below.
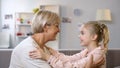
(94, 37)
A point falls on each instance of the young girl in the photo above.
(93, 35)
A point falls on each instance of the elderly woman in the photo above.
(45, 26)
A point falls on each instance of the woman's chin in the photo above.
(53, 39)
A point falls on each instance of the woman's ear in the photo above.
(46, 28)
(94, 37)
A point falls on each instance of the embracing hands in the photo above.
(40, 54)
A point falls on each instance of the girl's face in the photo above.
(52, 31)
(85, 36)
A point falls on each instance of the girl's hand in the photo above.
(39, 54)
(35, 54)
(52, 51)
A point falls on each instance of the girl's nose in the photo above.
(79, 36)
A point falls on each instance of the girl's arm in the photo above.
(68, 61)
(58, 63)
(62, 61)
(74, 57)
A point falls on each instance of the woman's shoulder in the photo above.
(26, 44)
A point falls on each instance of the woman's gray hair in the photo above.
(42, 18)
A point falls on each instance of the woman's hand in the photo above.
(90, 63)
(99, 63)
(39, 54)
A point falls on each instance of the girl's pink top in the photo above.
(78, 60)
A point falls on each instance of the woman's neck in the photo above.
(40, 39)
(92, 46)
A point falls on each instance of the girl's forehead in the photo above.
(81, 27)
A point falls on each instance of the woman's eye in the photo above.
(57, 26)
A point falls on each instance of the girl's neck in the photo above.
(40, 39)
(92, 46)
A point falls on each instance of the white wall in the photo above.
(0, 17)
(69, 31)
(10, 7)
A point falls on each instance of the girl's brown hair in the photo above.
(101, 30)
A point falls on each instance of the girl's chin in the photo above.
(82, 44)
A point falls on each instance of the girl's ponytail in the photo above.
(105, 35)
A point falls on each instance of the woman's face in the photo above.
(85, 36)
(53, 31)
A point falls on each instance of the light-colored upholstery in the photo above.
(112, 57)
(4, 39)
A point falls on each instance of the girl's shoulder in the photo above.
(84, 50)
(99, 50)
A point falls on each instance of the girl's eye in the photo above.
(82, 33)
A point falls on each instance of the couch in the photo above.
(113, 57)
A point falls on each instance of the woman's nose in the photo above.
(58, 30)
